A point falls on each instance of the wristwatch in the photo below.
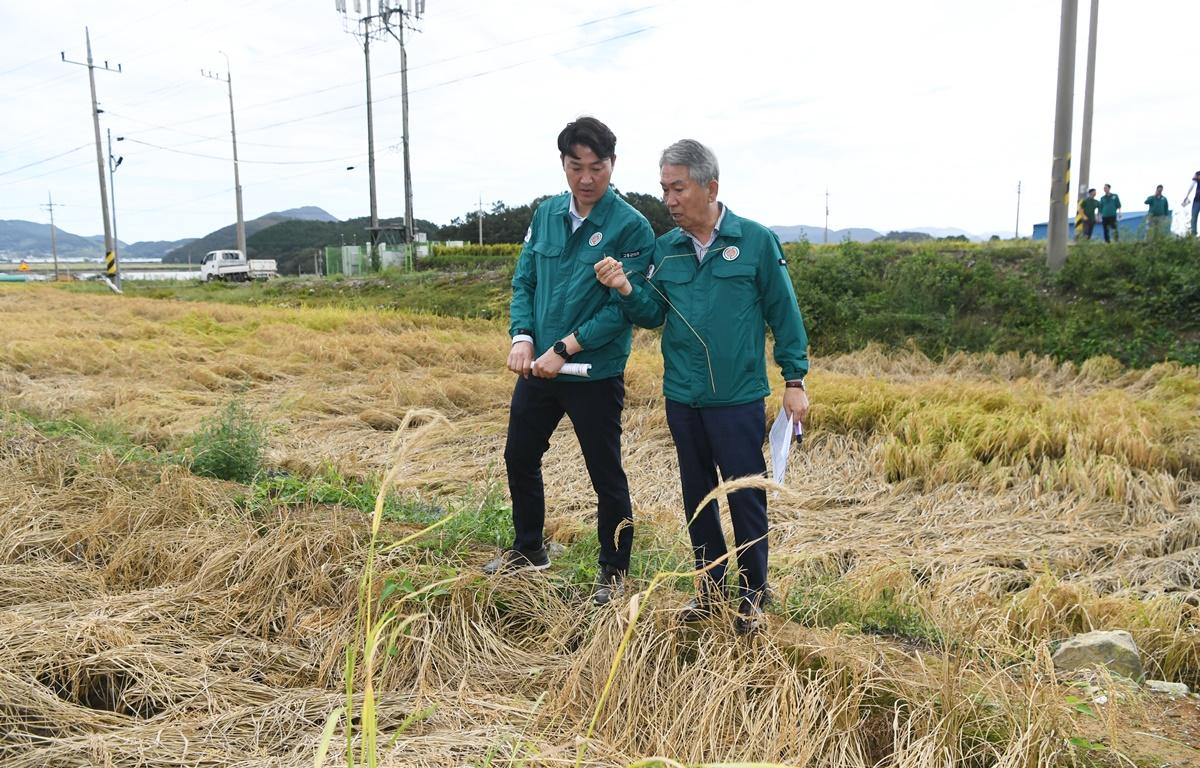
(560, 349)
(797, 384)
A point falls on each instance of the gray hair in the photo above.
(697, 158)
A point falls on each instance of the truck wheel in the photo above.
(208, 278)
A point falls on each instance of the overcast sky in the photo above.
(922, 113)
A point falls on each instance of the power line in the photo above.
(200, 138)
(44, 160)
(255, 162)
(454, 80)
(346, 84)
(47, 173)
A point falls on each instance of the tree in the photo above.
(904, 237)
(653, 208)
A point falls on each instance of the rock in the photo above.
(554, 549)
(1114, 650)
(1171, 689)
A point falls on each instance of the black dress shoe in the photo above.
(515, 561)
(750, 619)
(609, 586)
(697, 609)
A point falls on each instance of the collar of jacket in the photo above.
(731, 226)
(599, 213)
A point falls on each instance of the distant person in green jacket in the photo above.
(1089, 205)
(559, 313)
(1110, 213)
(1159, 213)
(1194, 199)
(717, 282)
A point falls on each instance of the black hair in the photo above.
(592, 134)
(1093, 189)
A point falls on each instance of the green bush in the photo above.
(501, 256)
(1138, 302)
(228, 446)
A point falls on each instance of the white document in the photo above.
(576, 369)
(782, 433)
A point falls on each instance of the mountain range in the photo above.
(31, 240)
(816, 235)
(226, 237)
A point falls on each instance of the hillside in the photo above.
(153, 249)
(293, 241)
(796, 232)
(28, 239)
(226, 237)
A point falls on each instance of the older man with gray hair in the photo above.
(717, 281)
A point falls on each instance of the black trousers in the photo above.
(1088, 226)
(1110, 222)
(729, 438)
(594, 408)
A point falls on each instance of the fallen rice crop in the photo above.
(944, 524)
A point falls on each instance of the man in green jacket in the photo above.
(1159, 215)
(1089, 205)
(717, 282)
(1110, 213)
(559, 313)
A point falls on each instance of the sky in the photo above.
(925, 113)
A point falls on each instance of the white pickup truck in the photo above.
(233, 265)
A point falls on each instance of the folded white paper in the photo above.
(781, 443)
(576, 369)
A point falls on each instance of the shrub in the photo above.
(228, 446)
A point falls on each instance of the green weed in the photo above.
(228, 446)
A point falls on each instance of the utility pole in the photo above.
(481, 218)
(408, 196)
(237, 182)
(50, 206)
(111, 270)
(826, 215)
(376, 25)
(1017, 228)
(1089, 89)
(1060, 170)
(113, 162)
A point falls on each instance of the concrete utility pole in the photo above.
(481, 218)
(1060, 171)
(1017, 227)
(408, 196)
(111, 269)
(237, 181)
(377, 25)
(376, 261)
(50, 206)
(113, 162)
(1089, 89)
(826, 215)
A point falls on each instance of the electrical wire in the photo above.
(44, 160)
(252, 162)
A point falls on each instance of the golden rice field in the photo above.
(943, 525)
